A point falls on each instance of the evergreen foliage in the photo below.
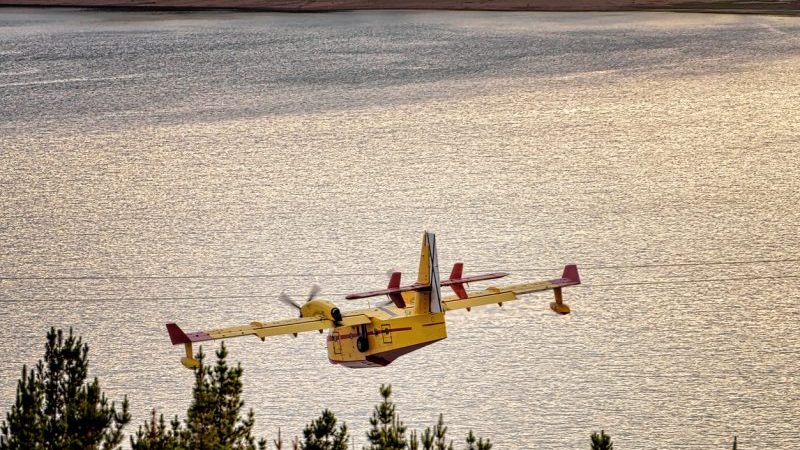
(213, 420)
(279, 442)
(439, 435)
(387, 432)
(601, 441)
(321, 434)
(56, 410)
(413, 441)
(436, 438)
(155, 435)
(474, 443)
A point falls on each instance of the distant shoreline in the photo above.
(779, 7)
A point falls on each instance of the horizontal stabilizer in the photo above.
(177, 336)
(389, 291)
(457, 280)
(481, 277)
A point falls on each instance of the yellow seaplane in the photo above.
(375, 337)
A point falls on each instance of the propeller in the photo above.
(332, 314)
(284, 297)
(314, 292)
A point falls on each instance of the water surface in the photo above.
(189, 167)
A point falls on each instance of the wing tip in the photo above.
(176, 335)
(571, 274)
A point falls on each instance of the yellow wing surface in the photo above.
(570, 277)
(260, 330)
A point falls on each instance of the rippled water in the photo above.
(191, 166)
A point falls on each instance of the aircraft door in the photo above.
(337, 343)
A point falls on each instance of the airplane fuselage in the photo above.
(391, 333)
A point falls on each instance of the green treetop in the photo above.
(321, 434)
(387, 432)
(56, 409)
(601, 441)
(213, 420)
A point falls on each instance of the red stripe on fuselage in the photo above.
(369, 333)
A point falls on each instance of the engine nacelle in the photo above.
(324, 308)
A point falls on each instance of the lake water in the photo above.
(189, 167)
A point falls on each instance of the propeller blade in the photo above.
(314, 292)
(288, 300)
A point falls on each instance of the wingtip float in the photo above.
(375, 337)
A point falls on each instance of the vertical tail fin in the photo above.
(458, 271)
(456, 274)
(429, 301)
(396, 297)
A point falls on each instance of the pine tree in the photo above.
(56, 410)
(387, 432)
(321, 434)
(213, 420)
(25, 426)
(413, 441)
(601, 441)
(474, 443)
(439, 435)
(427, 439)
(156, 436)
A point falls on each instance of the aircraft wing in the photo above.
(570, 277)
(260, 330)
